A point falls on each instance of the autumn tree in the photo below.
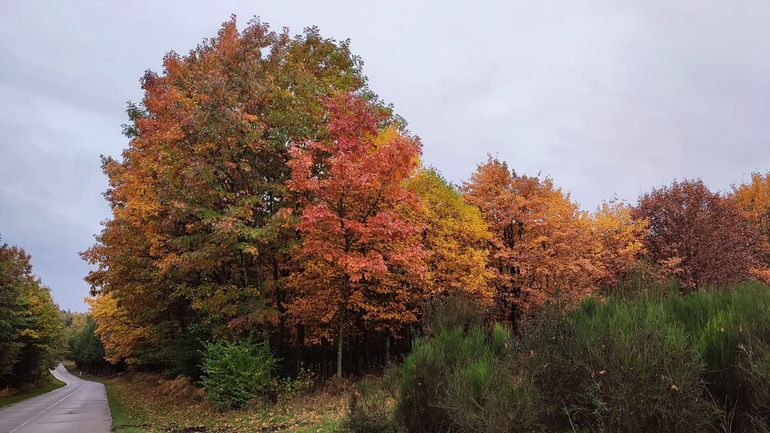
(31, 328)
(699, 235)
(195, 248)
(753, 200)
(618, 242)
(359, 254)
(456, 240)
(541, 239)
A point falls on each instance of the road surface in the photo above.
(79, 407)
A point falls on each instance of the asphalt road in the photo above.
(79, 407)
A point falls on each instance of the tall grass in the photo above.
(658, 360)
(464, 381)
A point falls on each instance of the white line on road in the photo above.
(46, 409)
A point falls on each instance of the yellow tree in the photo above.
(753, 200)
(456, 239)
(618, 241)
(120, 335)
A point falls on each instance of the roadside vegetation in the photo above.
(657, 361)
(47, 384)
(31, 328)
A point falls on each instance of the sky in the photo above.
(609, 98)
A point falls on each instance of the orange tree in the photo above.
(195, 247)
(360, 257)
(542, 242)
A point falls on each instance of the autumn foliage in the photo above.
(544, 246)
(361, 258)
(699, 236)
(266, 195)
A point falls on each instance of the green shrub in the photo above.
(619, 367)
(463, 381)
(730, 331)
(373, 402)
(236, 373)
(290, 388)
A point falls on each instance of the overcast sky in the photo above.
(609, 98)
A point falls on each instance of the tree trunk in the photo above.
(340, 338)
(387, 350)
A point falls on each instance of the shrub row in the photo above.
(664, 363)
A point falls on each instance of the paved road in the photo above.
(79, 407)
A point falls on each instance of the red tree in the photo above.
(359, 250)
(701, 237)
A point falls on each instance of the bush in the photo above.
(463, 381)
(289, 388)
(730, 331)
(236, 373)
(620, 367)
(372, 404)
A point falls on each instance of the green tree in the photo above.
(31, 328)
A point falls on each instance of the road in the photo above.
(79, 407)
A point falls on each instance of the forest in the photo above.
(274, 228)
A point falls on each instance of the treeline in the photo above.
(30, 323)
(268, 195)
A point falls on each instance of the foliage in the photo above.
(372, 403)
(655, 361)
(463, 381)
(453, 311)
(618, 242)
(730, 330)
(118, 333)
(290, 388)
(31, 327)
(358, 253)
(544, 247)
(753, 200)
(455, 237)
(87, 347)
(619, 366)
(699, 236)
(196, 246)
(236, 373)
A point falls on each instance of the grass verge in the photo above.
(50, 384)
(144, 403)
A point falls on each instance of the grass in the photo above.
(141, 403)
(51, 383)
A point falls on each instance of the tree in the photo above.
(753, 200)
(456, 239)
(31, 329)
(542, 241)
(195, 248)
(119, 335)
(88, 352)
(619, 241)
(700, 235)
(359, 254)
